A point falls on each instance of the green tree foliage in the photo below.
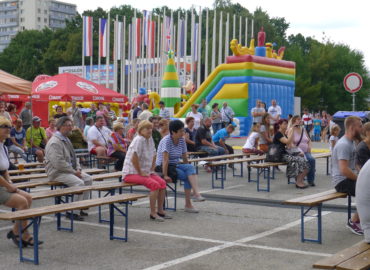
(320, 65)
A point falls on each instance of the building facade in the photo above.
(18, 15)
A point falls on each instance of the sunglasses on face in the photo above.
(5, 126)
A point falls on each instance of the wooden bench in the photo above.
(26, 177)
(25, 171)
(356, 257)
(31, 164)
(35, 214)
(265, 168)
(323, 155)
(219, 168)
(314, 202)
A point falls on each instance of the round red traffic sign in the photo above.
(352, 82)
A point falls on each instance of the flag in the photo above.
(147, 23)
(168, 33)
(182, 38)
(195, 50)
(119, 40)
(103, 38)
(138, 37)
(151, 41)
(87, 38)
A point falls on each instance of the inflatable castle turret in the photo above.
(170, 90)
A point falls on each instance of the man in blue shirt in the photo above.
(220, 137)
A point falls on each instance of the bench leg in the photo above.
(304, 213)
(174, 191)
(349, 208)
(264, 171)
(216, 170)
(241, 170)
(112, 209)
(109, 193)
(327, 165)
(58, 200)
(35, 221)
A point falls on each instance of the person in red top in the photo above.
(307, 120)
(117, 146)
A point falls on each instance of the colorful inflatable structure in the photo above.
(245, 78)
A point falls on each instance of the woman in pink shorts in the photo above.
(139, 167)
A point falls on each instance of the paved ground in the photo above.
(237, 228)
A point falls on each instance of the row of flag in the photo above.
(150, 37)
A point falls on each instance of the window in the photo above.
(45, 20)
(45, 11)
(38, 19)
(21, 11)
(39, 10)
(22, 19)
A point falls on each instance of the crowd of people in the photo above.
(148, 150)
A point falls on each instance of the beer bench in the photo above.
(35, 215)
(356, 257)
(315, 201)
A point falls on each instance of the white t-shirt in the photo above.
(4, 161)
(274, 112)
(332, 138)
(251, 141)
(101, 135)
(197, 118)
(145, 115)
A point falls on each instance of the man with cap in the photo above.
(62, 165)
(36, 139)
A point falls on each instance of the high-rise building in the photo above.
(18, 15)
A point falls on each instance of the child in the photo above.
(250, 146)
(334, 131)
(316, 128)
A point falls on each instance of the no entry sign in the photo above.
(352, 82)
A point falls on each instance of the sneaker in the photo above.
(355, 227)
(200, 198)
(191, 210)
(157, 218)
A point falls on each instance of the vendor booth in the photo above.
(63, 88)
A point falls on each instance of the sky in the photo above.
(339, 21)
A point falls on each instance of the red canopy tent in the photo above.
(69, 87)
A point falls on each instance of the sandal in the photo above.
(30, 242)
(14, 237)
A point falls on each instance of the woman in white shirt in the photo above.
(139, 167)
(10, 195)
(196, 115)
(250, 146)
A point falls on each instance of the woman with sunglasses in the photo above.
(10, 195)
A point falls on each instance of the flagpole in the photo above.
(123, 60)
(252, 28)
(83, 48)
(178, 43)
(227, 37)
(246, 32)
(148, 55)
(115, 50)
(199, 40)
(157, 62)
(108, 54)
(192, 46)
(240, 29)
(206, 52)
(220, 42)
(214, 40)
(99, 60)
(234, 23)
(129, 57)
(92, 50)
(185, 47)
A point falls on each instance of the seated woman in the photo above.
(117, 147)
(131, 133)
(250, 146)
(265, 137)
(163, 127)
(190, 132)
(297, 165)
(77, 138)
(139, 166)
(302, 140)
(51, 129)
(171, 148)
(10, 195)
(89, 123)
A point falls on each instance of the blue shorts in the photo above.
(183, 171)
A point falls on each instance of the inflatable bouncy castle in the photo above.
(251, 73)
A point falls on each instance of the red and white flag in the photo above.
(87, 35)
(138, 37)
(103, 38)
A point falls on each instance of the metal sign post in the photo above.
(352, 83)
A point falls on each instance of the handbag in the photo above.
(274, 153)
(42, 144)
(171, 171)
